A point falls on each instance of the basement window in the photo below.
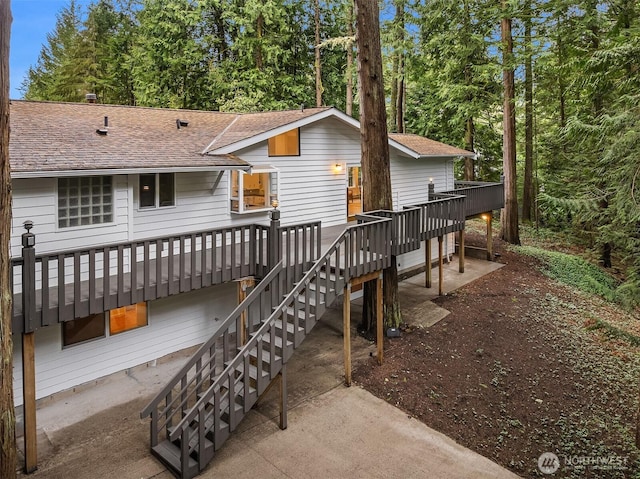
(157, 190)
(285, 144)
(127, 318)
(82, 330)
(255, 191)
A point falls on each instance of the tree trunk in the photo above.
(400, 97)
(469, 166)
(7, 415)
(509, 218)
(349, 99)
(374, 139)
(527, 188)
(317, 61)
(469, 127)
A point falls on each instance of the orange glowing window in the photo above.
(127, 318)
(285, 144)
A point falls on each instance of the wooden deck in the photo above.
(177, 264)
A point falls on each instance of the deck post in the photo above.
(440, 267)
(427, 261)
(28, 349)
(346, 320)
(379, 320)
(283, 397)
(243, 285)
(461, 253)
(274, 238)
(489, 217)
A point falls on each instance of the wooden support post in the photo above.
(243, 285)
(461, 253)
(283, 397)
(29, 402)
(489, 217)
(440, 267)
(427, 265)
(379, 320)
(346, 319)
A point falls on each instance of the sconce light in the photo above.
(338, 167)
(484, 217)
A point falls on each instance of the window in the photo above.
(86, 200)
(83, 330)
(285, 144)
(255, 191)
(127, 318)
(157, 190)
(93, 327)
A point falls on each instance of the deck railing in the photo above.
(443, 214)
(480, 197)
(66, 285)
(405, 228)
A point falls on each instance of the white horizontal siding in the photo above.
(175, 323)
(36, 200)
(410, 179)
(310, 189)
(197, 207)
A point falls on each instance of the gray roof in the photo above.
(62, 137)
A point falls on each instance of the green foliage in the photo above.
(575, 271)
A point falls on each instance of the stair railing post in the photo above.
(28, 347)
(275, 241)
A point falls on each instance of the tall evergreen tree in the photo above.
(509, 217)
(7, 415)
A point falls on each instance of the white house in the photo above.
(87, 175)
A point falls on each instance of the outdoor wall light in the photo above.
(338, 167)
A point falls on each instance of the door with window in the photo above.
(354, 192)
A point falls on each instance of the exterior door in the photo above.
(354, 192)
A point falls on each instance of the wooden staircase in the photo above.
(199, 408)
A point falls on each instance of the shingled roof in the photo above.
(425, 147)
(248, 125)
(62, 137)
(47, 136)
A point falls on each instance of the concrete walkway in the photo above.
(333, 432)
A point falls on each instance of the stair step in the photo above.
(302, 315)
(290, 327)
(278, 343)
(170, 455)
(265, 356)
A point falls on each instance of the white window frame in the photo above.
(156, 201)
(79, 206)
(238, 205)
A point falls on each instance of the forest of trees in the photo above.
(577, 86)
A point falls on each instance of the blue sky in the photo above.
(32, 20)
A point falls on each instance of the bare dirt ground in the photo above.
(516, 370)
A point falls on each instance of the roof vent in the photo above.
(180, 123)
(91, 97)
(102, 131)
